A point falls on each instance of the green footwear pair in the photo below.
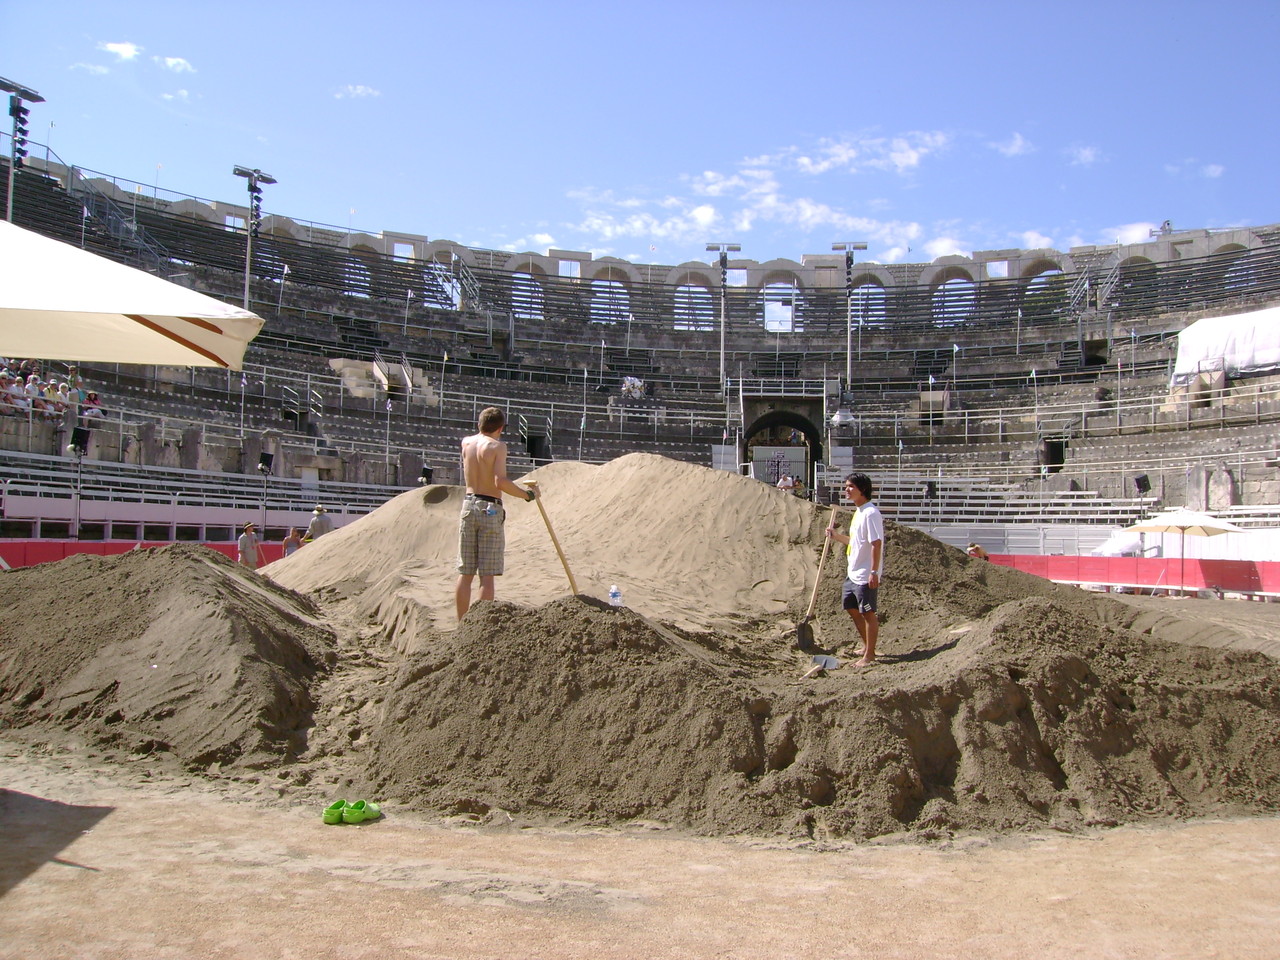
(342, 812)
(360, 811)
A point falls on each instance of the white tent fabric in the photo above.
(1241, 343)
(58, 302)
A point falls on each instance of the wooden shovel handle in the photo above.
(813, 598)
(554, 542)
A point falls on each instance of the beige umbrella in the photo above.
(1188, 523)
(59, 302)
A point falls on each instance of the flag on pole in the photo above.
(931, 380)
(286, 269)
(955, 348)
(388, 404)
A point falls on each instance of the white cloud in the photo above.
(1213, 170)
(1016, 146)
(832, 155)
(712, 184)
(93, 68)
(691, 224)
(945, 247)
(1129, 233)
(1033, 240)
(356, 92)
(904, 153)
(123, 51)
(179, 95)
(176, 64)
(1084, 156)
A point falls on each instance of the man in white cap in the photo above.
(320, 524)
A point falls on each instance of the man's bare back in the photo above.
(484, 465)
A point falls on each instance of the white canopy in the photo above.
(1237, 344)
(58, 302)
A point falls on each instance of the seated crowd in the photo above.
(24, 392)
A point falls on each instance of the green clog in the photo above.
(371, 811)
(354, 812)
(333, 812)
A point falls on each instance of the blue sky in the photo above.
(646, 130)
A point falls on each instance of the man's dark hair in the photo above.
(491, 418)
(862, 482)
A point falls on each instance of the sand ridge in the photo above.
(1002, 702)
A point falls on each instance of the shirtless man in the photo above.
(481, 539)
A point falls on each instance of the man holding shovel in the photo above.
(481, 538)
(866, 561)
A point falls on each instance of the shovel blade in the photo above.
(804, 635)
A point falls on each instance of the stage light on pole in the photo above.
(848, 246)
(724, 249)
(18, 141)
(254, 177)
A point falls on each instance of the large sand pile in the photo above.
(176, 650)
(1001, 701)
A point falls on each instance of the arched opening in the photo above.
(781, 442)
(609, 301)
(1138, 284)
(780, 307)
(526, 297)
(1045, 295)
(694, 308)
(954, 300)
(868, 304)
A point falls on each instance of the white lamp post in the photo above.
(18, 142)
(255, 177)
(848, 247)
(724, 249)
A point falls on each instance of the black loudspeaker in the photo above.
(264, 462)
(427, 475)
(1142, 483)
(80, 439)
(930, 490)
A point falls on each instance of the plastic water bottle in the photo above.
(615, 596)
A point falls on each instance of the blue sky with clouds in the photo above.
(645, 130)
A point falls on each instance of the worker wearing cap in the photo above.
(247, 547)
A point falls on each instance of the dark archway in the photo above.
(769, 422)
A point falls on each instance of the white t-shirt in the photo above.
(866, 527)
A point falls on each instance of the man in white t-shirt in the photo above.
(866, 563)
(785, 483)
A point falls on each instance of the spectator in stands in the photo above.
(35, 394)
(247, 547)
(15, 397)
(321, 523)
(975, 550)
(292, 542)
(481, 537)
(866, 562)
(797, 487)
(91, 409)
(786, 484)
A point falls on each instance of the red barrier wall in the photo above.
(1231, 576)
(27, 553)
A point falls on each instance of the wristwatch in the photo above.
(529, 495)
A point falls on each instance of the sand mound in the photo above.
(677, 538)
(173, 650)
(1000, 702)
(1033, 715)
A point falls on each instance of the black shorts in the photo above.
(859, 596)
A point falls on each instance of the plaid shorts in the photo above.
(481, 538)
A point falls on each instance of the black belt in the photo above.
(481, 496)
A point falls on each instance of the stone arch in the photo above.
(812, 433)
(953, 295)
